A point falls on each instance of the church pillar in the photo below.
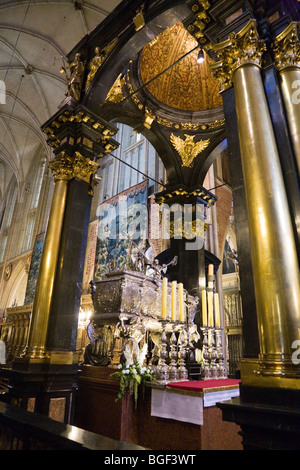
(36, 349)
(46, 373)
(286, 50)
(273, 250)
(63, 321)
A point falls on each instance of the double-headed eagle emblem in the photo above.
(188, 149)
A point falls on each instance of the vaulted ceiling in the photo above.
(35, 37)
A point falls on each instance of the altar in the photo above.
(147, 322)
(185, 401)
(147, 424)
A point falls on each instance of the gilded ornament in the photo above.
(84, 167)
(96, 62)
(74, 80)
(188, 149)
(115, 94)
(286, 47)
(62, 167)
(139, 21)
(239, 49)
(205, 4)
(149, 118)
(187, 230)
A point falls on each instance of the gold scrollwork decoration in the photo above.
(65, 167)
(115, 94)
(188, 149)
(239, 49)
(62, 167)
(286, 47)
(187, 230)
(84, 167)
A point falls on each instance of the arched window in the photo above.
(34, 184)
(6, 214)
(140, 159)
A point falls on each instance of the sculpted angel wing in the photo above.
(199, 147)
(177, 143)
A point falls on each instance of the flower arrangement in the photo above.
(132, 374)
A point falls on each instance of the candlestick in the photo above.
(181, 302)
(204, 308)
(217, 310)
(220, 354)
(210, 309)
(173, 300)
(173, 372)
(206, 356)
(162, 370)
(164, 301)
(213, 356)
(183, 343)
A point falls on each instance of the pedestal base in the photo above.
(48, 389)
(269, 418)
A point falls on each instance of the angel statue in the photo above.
(188, 149)
(74, 80)
(93, 66)
(97, 61)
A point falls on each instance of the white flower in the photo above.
(119, 366)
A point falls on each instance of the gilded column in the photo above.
(62, 169)
(66, 295)
(273, 251)
(286, 50)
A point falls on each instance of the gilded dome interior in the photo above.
(187, 86)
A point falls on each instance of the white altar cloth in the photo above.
(186, 407)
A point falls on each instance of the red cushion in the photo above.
(200, 385)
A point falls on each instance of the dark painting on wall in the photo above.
(34, 268)
(123, 221)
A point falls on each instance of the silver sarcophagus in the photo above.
(127, 318)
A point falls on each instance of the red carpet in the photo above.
(203, 385)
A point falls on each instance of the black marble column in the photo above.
(62, 329)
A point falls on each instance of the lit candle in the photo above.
(181, 302)
(210, 300)
(204, 308)
(173, 300)
(210, 283)
(164, 300)
(217, 310)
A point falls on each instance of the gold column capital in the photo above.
(84, 167)
(286, 47)
(242, 48)
(65, 167)
(62, 167)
